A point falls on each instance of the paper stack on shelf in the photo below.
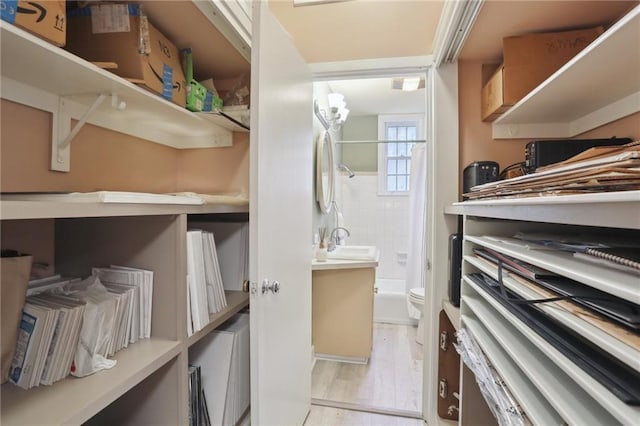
(205, 289)
(47, 339)
(232, 241)
(223, 356)
(198, 409)
(598, 169)
(118, 197)
(139, 282)
(499, 398)
(45, 284)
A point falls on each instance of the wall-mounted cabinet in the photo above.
(599, 85)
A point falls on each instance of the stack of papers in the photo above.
(133, 288)
(47, 340)
(223, 357)
(204, 280)
(599, 169)
(232, 242)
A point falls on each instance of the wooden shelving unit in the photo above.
(531, 367)
(149, 383)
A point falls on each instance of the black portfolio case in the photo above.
(455, 268)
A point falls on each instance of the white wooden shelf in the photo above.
(597, 86)
(625, 353)
(41, 75)
(236, 301)
(53, 210)
(76, 400)
(536, 407)
(609, 280)
(578, 397)
(608, 209)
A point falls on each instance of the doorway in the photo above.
(373, 155)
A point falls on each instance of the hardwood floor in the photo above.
(391, 380)
(328, 416)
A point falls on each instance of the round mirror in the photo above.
(324, 171)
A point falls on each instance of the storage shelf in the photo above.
(573, 392)
(608, 280)
(236, 301)
(75, 400)
(79, 83)
(608, 209)
(597, 86)
(44, 210)
(536, 407)
(627, 354)
(453, 312)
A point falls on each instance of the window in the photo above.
(394, 155)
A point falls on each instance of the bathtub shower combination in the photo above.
(390, 302)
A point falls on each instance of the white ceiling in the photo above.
(340, 31)
(374, 96)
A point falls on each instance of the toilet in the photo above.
(415, 303)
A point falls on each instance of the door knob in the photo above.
(249, 287)
(274, 287)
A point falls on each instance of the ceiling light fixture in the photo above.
(409, 84)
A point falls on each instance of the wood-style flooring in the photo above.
(328, 416)
(391, 380)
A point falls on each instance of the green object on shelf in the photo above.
(199, 99)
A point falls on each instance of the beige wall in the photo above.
(102, 159)
(476, 141)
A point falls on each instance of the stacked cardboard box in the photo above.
(528, 60)
(121, 34)
(46, 19)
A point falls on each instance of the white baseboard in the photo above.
(349, 359)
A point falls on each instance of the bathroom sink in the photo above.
(354, 253)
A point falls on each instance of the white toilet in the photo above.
(415, 304)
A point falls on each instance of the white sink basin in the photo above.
(354, 253)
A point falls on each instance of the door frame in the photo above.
(441, 133)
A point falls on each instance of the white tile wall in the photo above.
(375, 220)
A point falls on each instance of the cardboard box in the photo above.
(529, 60)
(46, 19)
(119, 33)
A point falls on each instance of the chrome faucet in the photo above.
(334, 237)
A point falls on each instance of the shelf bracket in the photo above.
(63, 134)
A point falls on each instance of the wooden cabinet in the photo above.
(343, 313)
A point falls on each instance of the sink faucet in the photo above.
(334, 237)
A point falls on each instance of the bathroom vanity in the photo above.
(342, 305)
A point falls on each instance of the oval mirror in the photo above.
(324, 171)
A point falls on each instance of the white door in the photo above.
(280, 224)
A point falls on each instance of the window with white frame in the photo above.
(397, 133)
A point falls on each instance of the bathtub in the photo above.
(390, 302)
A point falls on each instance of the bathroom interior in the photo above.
(377, 201)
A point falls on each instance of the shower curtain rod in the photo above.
(382, 141)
